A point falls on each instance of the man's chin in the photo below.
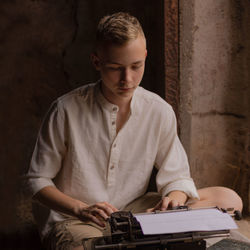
(126, 94)
(126, 91)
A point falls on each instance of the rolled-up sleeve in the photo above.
(172, 163)
(49, 150)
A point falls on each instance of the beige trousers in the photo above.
(66, 235)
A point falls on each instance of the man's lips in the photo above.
(126, 88)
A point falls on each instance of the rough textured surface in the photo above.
(172, 86)
(31, 47)
(215, 61)
(228, 244)
(44, 48)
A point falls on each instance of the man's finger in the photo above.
(88, 216)
(164, 203)
(150, 210)
(114, 209)
(96, 220)
(100, 212)
(156, 207)
(173, 204)
(106, 207)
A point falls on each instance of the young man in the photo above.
(98, 144)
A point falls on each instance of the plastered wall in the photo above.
(45, 48)
(215, 94)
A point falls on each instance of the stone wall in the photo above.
(34, 36)
(215, 62)
(45, 48)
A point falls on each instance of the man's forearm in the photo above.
(53, 198)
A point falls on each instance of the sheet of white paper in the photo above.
(185, 221)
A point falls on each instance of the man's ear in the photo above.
(95, 61)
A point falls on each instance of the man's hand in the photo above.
(97, 213)
(173, 199)
(53, 198)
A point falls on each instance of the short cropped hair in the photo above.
(118, 28)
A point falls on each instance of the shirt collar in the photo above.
(109, 106)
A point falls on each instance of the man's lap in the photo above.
(67, 234)
(70, 233)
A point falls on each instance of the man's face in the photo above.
(121, 68)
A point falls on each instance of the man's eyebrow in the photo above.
(138, 62)
(116, 63)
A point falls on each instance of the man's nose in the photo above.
(126, 75)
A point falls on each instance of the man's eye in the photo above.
(136, 67)
(114, 68)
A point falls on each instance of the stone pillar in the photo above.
(215, 62)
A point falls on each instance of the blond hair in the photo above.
(118, 29)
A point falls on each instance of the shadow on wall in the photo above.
(237, 101)
(45, 49)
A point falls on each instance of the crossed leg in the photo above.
(221, 197)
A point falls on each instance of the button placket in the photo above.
(113, 161)
(111, 175)
(112, 169)
(113, 121)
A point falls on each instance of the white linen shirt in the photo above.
(79, 151)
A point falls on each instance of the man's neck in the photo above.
(124, 105)
(124, 108)
(122, 102)
(122, 115)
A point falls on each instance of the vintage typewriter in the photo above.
(126, 233)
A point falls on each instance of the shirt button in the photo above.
(114, 108)
(113, 123)
(114, 145)
(112, 167)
